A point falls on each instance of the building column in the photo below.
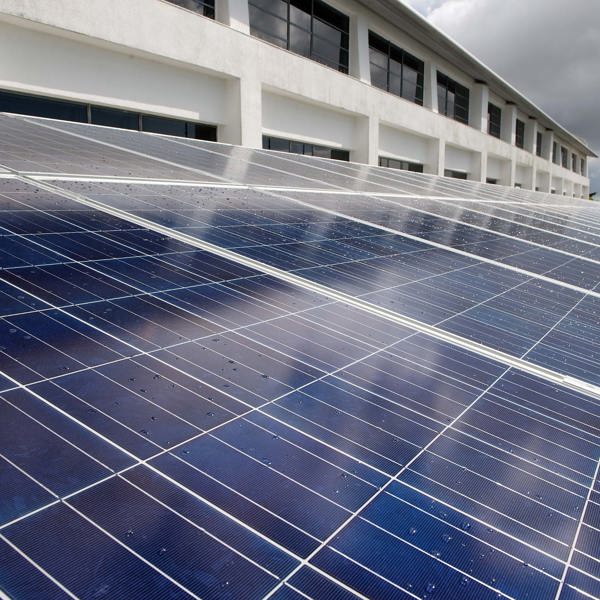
(509, 124)
(234, 13)
(436, 158)
(366, 146)
(531, 129)
(244, 113)
(359, 49)
(479, 166)
(478, 106)
(430, 97)
(548, 144)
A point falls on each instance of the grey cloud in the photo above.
(548, 49)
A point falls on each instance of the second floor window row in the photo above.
(310, 28)
(395, 70)
(453, 99)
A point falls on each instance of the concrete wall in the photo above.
(155, 57)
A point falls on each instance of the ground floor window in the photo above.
(491, 180)
(404, 165)
(283, 145)
(64, 110)
(455, 174)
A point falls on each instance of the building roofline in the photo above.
(411, 22)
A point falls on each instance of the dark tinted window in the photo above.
(555, 153)
(307, 27)
(453, 99)
(395, 70)
(582, 164)
(400, 164)
(564, 157)
(574, 162)
(203, 7)
(494, 119)
(283, 145)
(112, 117)
(520, 134)
(538, 143)
(455, 174)
(37, 106)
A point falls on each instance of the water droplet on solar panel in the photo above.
(412, 531)
(144, 432)
(26, 337)
(264, 376)
(142, 390)
(129, 532)
(132, 379)
(153, 418)
(275, 437)
(210, 414)
(266, 461)
(436, 553)
(465, 525)
(446, 537)
(231, 362)
(464, 581)
(161, 551)
(430, 588)
(225, 584)
(12, 330)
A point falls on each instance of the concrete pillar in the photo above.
(478, 169)
(509, 124)
(366, 145)
(430, 97)
(478, 107)
(244, 113)
(547, 144)
(531, 129)
(435, 157)
(234, 13)
(530, 182)
(359, 49)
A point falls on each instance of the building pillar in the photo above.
(234, 13)
(531, 129)
(509, 124)
(478, 106)
(430, 97)
(359, 49)
(244, 113)
(366, 147)
(435, 157)
(478, 170)
(548, 144)
(531, 179)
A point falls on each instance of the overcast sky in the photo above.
(548, 49)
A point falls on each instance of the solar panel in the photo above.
(211, 387)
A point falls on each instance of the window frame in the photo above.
(391, 52)
(402, 165)
(494, 126)
(458, 90)
(321, 13)
(304, 148)
(519, 133)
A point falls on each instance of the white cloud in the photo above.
(548, 49)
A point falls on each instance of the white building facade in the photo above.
(368, 81)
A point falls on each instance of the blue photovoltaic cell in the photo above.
(175, 424)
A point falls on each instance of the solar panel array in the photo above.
(235, 373)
